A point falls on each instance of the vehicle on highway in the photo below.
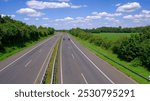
(68, 38)
(63, 38)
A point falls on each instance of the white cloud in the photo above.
(37, 19)
(145, 11)
(64, 0)
(145, 14)
(93, 17)
(30, 12)
(108, 14)
(129, 7)
(96, 15)
(118, 4)
(65, 19)
(74, 6)
(43, 5)
(12, 16)
(45, 18)
(79, 18)
(128, 17)
(26, 19)
(112, 19)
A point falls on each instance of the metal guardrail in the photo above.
(53, 77)
(122, 65)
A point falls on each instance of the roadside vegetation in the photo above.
(15, 35)
(53, 66)
(131, 50)
(113, 36)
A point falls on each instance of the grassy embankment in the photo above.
(53, 61)
(113, 37)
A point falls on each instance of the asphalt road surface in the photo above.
(28, 66)
(80, 66)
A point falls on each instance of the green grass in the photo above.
(47, 78)
(141, 70)
(13, 50)
(113, 36)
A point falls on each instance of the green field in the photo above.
(113, 36)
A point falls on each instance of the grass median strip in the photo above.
(53, 62)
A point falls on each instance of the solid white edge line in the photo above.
(84, 78)
(28, 63)
(42, 66)
(93, 63)
(53, 68)
(24, 54)
(47, 63)
(61, 74)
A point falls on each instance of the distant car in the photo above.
(63, 38)
(68, 38)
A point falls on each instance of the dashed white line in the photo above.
(93, 63)
(42, 66)
(72, 56)
(40, 50)
(24, 54)
(28, 63)
(84, 78)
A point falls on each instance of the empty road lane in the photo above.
(79, 66)
(29, 66)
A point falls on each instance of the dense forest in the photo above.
(17, 33)
(133, 48)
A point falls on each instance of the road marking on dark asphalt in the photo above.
(43, 66)
(28, 63)
(40, 50)
(93, 63)
(61, 74)
(72, 56)
(24, 54)
(84, 78)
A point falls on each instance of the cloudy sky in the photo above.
(66, 14)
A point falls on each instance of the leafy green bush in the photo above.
(17, 33)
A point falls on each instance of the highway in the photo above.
(28, 66)
(77, 65)
(80, 66)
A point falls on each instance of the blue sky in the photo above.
(66, 14)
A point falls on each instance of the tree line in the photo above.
(17, 33)
(134, 48)
(115, 30)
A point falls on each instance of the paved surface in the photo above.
(28, 66)
(80, 66)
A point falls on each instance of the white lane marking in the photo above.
(40, 50)
(84, 78)
(61, 74)
(72, 56)
(24, 54)
(42, 66)
(28, 63)
(93, 64)
(49, 55)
